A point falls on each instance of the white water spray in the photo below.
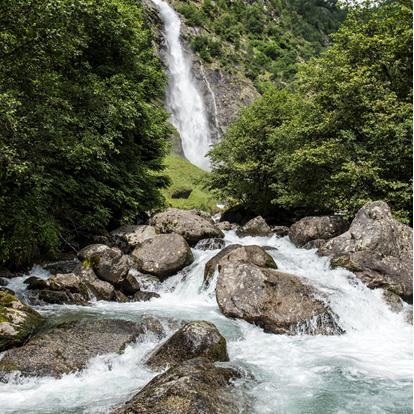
(184, 101)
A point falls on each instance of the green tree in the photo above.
(82, 132)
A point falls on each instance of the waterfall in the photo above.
(184, 101)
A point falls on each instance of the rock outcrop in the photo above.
(68, 347)
(377, 248)
(255, 227)
(193, 340)
(278, 302)
(312, 228)
(193, 227)
(236, 253)
(193, 387)
(17, 320)
(163, 255)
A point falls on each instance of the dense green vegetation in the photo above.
(185, 176)
(262, 39)
(340, 135)
(82, 129)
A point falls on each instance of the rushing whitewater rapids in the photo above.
(184, 101)
(366, 370)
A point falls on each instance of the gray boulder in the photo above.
(130, 236)
(196, 339)
(210, 244)
(17, 320)
(278, 302)
(314, 244)
(142, 296)
(312, 228)
(377, 248)
(236, 253)
(193, 387)
(70, 346)
(280, 231)
(163, 255)
(226, 226)
(255, 227)
(108, 263)
(192, 226)
(62, 266)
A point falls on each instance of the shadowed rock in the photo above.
(255, 227)
(210, 244)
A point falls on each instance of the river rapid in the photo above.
(366, 370)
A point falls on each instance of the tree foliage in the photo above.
(340, 135)
(82, 132)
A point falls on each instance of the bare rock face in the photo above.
(236, 253)
(17, 320)
(377, 248)
(210, 244)
(163, 255)
(313, 228)
(193, 387)
(196, 339)
(68, 347)
(188, 224)
(108, 263)
(278, 302)
(130, 236)
(255, 227)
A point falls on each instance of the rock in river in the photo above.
(130, 236)
(196, 339)
(278, 302)
(255, 227)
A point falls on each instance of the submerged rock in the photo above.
(17, 320)
(196, 339)
(130, 236)
(255, 227)
(313, 228)
(377, 248)
(68, 347)
(163, 255)
(193, 387)
(210, 244)
(236, 253)
(192, 226)
(278, 302)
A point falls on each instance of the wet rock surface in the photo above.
(313, 228)
(192, 226)
(377, 248)
(195, 339)
(210, 244)
(163, 255)
(255, 227)
(194, 387)
(17, 320)
(278, 302)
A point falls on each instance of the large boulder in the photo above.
(163, 255)
(108, 263)
(68, 347)
(188, 224)
(196, 339)
(236, 253)
(255, 227)
(377, 248)
(278, 302)
(193, 387)
(210, 244)
(17, 320)
(313, 228)
(62, 266)
(130, 236)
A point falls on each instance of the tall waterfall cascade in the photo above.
(184, 101)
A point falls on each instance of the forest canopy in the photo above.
(339, 135)
(82, 130)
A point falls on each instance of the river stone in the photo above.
(193, 387)
(68, 347)
(130, 236)
(17, 320)
(62, 266)
(236, 253)
(188, 224)
(163, 255)
(377, 248)
(210, 244)
(196, 339)
(278, 302)
(255, 227)
(142, 296)
(226, 226)
(280, 231)
(108, 263)
(129, 285)
(312, 228)
(314, 244)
